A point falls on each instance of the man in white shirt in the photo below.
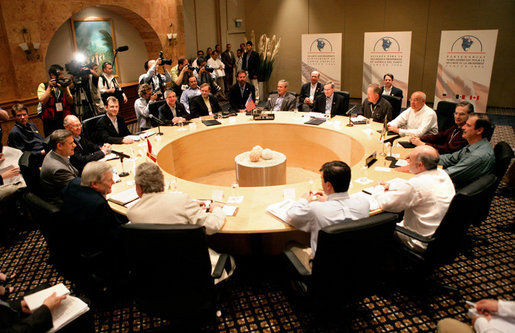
(418, 120)
(309, 91)
(159, 207)
(153, 76)
(424, 198)
(108, 86)
(146, 97)
(219, 67)
(332, 206)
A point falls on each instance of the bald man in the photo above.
(424, 198)
(418, 120)
(309, 91)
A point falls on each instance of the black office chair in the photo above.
(346, 99)
(450, 236)
(29, 168)
(445, 114)
(171, 270)
(89, 129)
(153, 109)
(351, 260)
(396, 104)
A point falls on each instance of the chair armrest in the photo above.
(220, 264)
(413, 234)
(301, 270)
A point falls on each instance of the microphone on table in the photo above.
(349, 113)
(121, 156)
(159, 123)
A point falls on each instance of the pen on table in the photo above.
(470, 303)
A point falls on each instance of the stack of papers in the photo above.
(280, 209)
(124, 197)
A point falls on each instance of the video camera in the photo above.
(163, 60)
(76, 68)
(206, 67)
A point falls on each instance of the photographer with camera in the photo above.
(180, 75)
(146, 97)
(205, 74)
(55, 98)
(108, 86)
(153, 76)
(85, 89)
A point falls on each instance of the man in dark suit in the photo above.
(229, 61)
(205, 104)
(374, 106)
(282, 101)
(112, 128)
(329, 102)
(250, 63)
(93, 225)
(172, 112)
(310, 91)
(240, 92)
(57, 171)
(388, 88)
(85, 150)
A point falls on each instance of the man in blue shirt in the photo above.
(475, 159)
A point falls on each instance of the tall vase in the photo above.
(263, 92)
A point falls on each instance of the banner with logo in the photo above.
(323, 53)
(465, 67)
(387, 53)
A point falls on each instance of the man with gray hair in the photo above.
(329, 103)
(159, 207)
(57, 171)
(310, 91)
(172, 112)
(282, 101)
(94, 226)
(424, 198)
(374, 106)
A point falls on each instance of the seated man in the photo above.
(189, 93)
(388, 88)
(57, 171)
(94, 226)
(240, 92)
(475, 159)
(146, 97)
(85, 150)
(424, 198)
(282, 101)
(172, 112)
(418, 120)
(24, 135)
(449, 140)
(374, 106)
(310, 91)
(329, 103)
(332, 206)
(159, 207)
(205, 104)
(112, 128)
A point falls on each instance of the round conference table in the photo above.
(199, 159)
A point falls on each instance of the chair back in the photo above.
(503, 155)
(351, 256)
(396, 104)
(89, 129)
(153, 109)
(29, 169)
(464, 210)
(445, 114)
(170, 269)
(346, 99)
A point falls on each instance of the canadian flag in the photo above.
(151, 154)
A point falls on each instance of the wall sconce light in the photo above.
(171, 36)
(237, 22)
(30, 49)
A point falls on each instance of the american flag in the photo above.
(249, 104)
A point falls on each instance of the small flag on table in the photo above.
(249, 104)
(150, 153)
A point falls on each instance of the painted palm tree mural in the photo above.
(95, 40)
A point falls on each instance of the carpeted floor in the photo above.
(259, 298)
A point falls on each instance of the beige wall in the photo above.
(425, 18)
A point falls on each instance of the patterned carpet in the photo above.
(259, 299)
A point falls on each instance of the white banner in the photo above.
(465, 66)
(323, 53)
(387, 52)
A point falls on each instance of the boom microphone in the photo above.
(122, 48)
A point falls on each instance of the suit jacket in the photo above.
(304, 92)
(166, 115)
(12, 320)
(289, 102)
(107, 132)
(253, 64)
(198, 108)
(85, 152)
(236, 100)
(56, 173)
(395, 91)
(336, 108)
(381, 109)
(228, 58)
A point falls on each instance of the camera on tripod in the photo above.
(163, 60)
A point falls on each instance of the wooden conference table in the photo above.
(199, 151)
